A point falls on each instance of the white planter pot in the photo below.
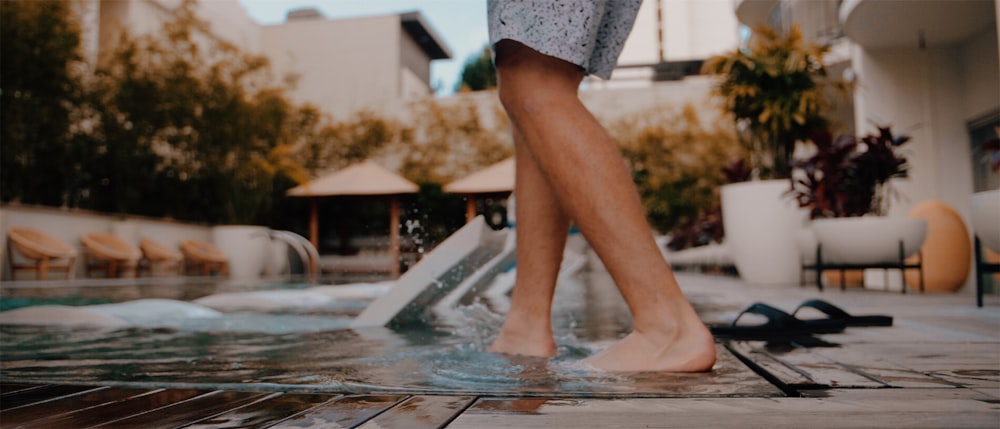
(762, 227)
(986, 218)
(246, 247)
(869, 239)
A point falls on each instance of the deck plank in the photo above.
(6, 388)
(899, 394)
(65, 405)
(421, 412)
(265, 413)
(41, 394)
(777, 372)
(973, 365)
(736, 413)
(116, 410)
(845, 367)
(825, 371)
(206, 405)
(346, 412)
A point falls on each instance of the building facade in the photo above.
(338, 65)
(928, 68)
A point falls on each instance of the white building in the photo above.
(670, 39)
(927, 68)
(341, 65)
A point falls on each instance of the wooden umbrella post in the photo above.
(470, 208)
(394, 237)
(314, 222)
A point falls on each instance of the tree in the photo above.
(676, 161)
(364, 135)
(777, 93)
(39, 82)
(478, 73)
(190, 127)
(447, 140)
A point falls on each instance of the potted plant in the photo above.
(845, 186)
(776, 90)
(986, 204)
(985, 212)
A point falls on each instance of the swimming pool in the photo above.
(301, 345)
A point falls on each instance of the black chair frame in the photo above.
(983, 269)
(819, 267)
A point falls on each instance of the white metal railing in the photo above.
(303, 248)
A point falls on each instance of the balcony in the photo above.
(914, 24)
(753, 13)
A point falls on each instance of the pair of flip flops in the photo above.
(782, 326)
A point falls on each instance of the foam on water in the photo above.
(265, 301)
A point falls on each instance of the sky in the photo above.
(460, 23)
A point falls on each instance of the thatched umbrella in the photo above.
(362, 179)
(496, 180)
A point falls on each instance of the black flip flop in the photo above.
(836, 313)
(780, 326)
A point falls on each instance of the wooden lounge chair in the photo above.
(158, 255)
(201, 257)
(44, 251)
(108, 253)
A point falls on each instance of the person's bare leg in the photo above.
(541, 236)
(593, 186)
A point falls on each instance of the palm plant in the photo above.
(776, 90)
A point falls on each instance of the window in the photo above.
(981, 131)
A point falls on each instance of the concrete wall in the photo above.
(691, 29)
(352, 65)
(231, 22)
(70, 225)
(930, 94)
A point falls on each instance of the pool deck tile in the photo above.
(67, 404)
(420, 412)
(206, 405)
(344, 412)
(737, 413)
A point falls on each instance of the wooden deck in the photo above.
(58, 406)
(938, 366)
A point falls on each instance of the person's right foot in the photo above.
(690, 350)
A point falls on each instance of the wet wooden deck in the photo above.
(938, 366)
(58, 406)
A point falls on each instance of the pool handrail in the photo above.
(303, 248)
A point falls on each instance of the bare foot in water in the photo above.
(688, 348)
(523, 338)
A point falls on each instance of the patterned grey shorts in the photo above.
(588, 33)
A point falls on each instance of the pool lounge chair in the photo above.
(158, 255)
(110, 254)
(45, 253)
(203, 258)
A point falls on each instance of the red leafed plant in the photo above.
(848, 176)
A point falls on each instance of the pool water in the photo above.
(311, 348)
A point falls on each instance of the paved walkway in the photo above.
(938, 366)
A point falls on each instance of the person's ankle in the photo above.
(668, 324)
(517, 339)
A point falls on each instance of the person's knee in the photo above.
(529, 80)
(525, 93)
(519, 98)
